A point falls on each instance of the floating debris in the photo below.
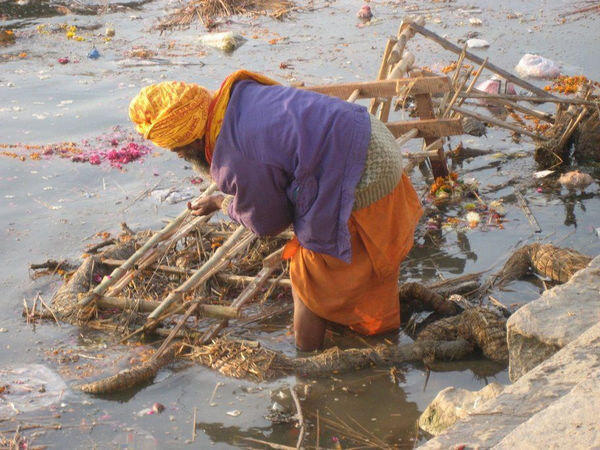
(575, 180)
(364, 13)
(536, 66)
(227, 41)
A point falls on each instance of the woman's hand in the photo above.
(206, 205)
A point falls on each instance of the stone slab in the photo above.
(452, 404)
(541, 328)
(489, 424)
(572, 422)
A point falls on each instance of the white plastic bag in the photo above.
(227, 41)
(536, 66)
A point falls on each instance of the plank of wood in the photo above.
(427, 127)
(501, 123)
(382, 73)
(424, 110)
(384, 88)
(445, 43)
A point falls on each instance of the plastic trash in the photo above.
(364, 13)
(497, 85)
(227, 41)
(28, 388)
(94, 53)
(575, 180)
(63, 60)
(536, 66)
(477, 43)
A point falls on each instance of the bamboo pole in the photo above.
(507, 103)
(472, 83)
(218, 311)
(498, 122)
(445, 43)
(411, 134)
(526, 98)
(201, 274)
(163, 234)
(353, 96)
(270, 264)
(382, 73)
(455, 96)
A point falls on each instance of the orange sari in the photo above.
(362, 295)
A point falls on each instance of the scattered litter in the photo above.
(94, 53)
(543, 173)
(475, 21)
(364, 13)
(172, 195)
(569, 85)
(473, 219)
(158, 407)
(63, 60)
(227, 41)
(7, 37)
(109, 32)
(536, 66)
(28, 388)
(477, 43)
(119, 147)
(234, 413)
(575, 180)
(497, 85)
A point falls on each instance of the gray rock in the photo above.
(537, 390)
(452, 404)
(571, 422)
(541, 328)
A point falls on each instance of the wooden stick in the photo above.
(526, 98)
(353, 96)
(194, 424)
(569, 131)
(410, 134)
(200, 275)
(382, 73)
(530, 217)
(384, 88)
(455, 96)
(268, 444)
(218, 311)
(507, 103)
(270, 263)
(285, 282)
(445, 43)
(498, 122)
(472, 83)
(119, 272)
(300, 417)
(427, 127)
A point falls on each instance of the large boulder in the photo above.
(541, 328)
(544, 392)
(452, 404)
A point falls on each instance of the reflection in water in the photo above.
(570, 201)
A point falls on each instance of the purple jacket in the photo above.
(291, 156)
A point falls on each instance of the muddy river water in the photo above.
(52, 207)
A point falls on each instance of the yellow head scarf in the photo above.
(171, 114)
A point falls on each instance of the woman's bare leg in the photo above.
(309, 329)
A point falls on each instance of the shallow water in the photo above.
(52, 208)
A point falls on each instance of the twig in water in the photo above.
(300, 417)
(530, 217)
(194, 424)
(270, 444)
(214, 392)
